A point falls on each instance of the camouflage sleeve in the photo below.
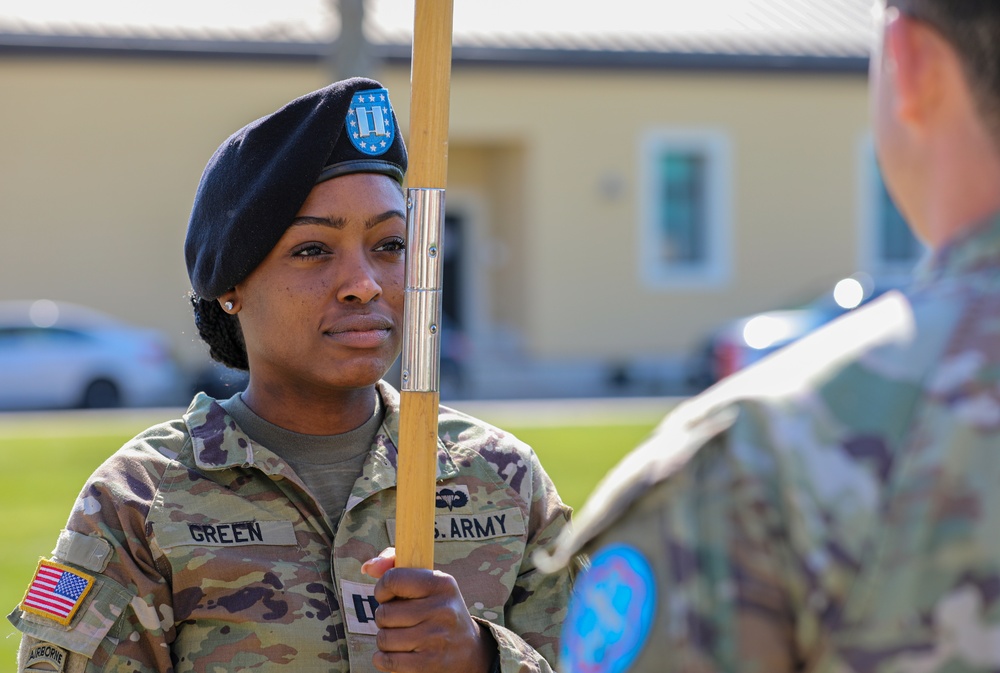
(529, 642)
(123, 621)
(701, 556)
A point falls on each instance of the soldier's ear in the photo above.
(916, 58)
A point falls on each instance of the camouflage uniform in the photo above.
(208, 553)
(835, 509)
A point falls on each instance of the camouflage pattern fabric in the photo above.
(209, 553)
(834, 509)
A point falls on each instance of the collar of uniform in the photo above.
(220, 444)
(388, 450)
(977, 248)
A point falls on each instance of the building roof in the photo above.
(816, 34)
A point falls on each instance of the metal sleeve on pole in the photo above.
(422, 311)
(425, 268)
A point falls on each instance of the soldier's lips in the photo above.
(360, 339)
(361, 331)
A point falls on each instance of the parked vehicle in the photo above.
(61, 355)
(743, 341)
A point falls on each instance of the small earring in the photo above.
(228, 305)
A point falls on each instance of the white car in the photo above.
(60, 355)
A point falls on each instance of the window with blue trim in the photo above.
(682, 208)
(685, 205)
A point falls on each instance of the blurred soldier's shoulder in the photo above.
(842, 383)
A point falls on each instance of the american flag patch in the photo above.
(56, 591)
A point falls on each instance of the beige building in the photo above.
(611, 198)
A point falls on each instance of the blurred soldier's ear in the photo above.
(917, 61)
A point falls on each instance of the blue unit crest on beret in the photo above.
(610, 613)
(369, 122)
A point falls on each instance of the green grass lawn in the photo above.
(44, 462)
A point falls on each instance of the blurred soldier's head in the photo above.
(936, 88)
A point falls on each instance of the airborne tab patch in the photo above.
(44, 657)
(56, 591)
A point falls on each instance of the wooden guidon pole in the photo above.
(430, 83)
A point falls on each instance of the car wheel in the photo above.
(101, 394)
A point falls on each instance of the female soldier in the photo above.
(247, 534)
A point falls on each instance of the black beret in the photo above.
(257, 181)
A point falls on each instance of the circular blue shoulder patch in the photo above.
(610, 613)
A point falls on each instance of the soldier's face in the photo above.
(324, 309)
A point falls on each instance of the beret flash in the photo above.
(257, 181)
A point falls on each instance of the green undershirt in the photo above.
(328, 464)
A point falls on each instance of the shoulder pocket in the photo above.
(89, 552)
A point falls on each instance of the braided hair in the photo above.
(221, 331)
